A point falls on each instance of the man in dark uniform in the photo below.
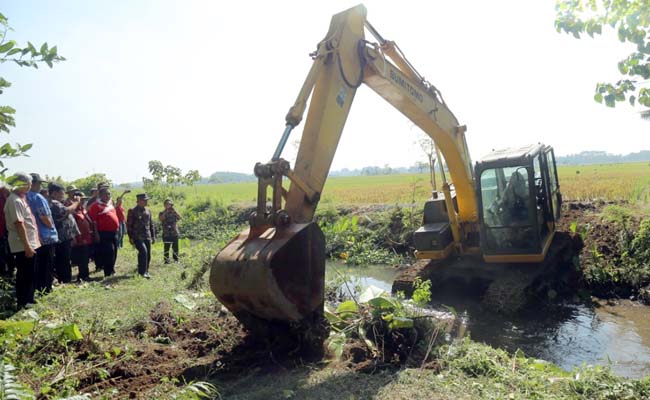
(169, 219)
(139, 227)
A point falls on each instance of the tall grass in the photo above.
(629, 181)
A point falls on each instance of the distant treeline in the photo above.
(227, 177)
(585, 157)
(603, 157)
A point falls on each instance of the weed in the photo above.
(422, 293)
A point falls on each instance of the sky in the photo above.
(206, 84)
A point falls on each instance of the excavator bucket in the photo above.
(272, 274)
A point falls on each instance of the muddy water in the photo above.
(567, 334)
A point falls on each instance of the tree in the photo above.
(631, 20)
(90, 182)
(27, 56)
(164, 178)
(429, 149)
(191, 177)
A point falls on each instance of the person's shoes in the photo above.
(166, 261)
(146, 275)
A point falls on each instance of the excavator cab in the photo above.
(519, 202)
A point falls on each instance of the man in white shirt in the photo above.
(23, 237)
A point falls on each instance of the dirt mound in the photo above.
(214, 343)
(166, 347)
(602, 237)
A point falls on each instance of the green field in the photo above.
(609, 182)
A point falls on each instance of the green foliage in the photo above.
(640, 247)
(90, 182)
(617, 213)
(165, 179)
(356, 244)
(599, 383)
(422, 293)
(624, 270)
(208, 219)
(477, 361)
(580, 229)
(631, 20)
(23, 56)
(353, 320)
(10, 388)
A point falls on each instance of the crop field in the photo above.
(608, 182)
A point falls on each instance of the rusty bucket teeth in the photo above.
(278, 275)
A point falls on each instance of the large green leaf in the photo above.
(70, 332)
(382, 303)
(346, 308)
(395, 322)
(335, 344)
(7, 46)
(332, 318)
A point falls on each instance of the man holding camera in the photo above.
(169, 219)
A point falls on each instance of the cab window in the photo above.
(505, 198)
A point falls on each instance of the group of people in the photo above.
(45, 230)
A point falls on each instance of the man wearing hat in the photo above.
(169, 219)
(46, 232)
(139, 227)
(23, 237)
(94, 194)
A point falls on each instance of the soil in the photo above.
(212, 345)
(602, 235)
(602, 239)
(164, 347)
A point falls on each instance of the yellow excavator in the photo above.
(503, 209)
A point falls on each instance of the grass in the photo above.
(629, 181)
(115, 318)
(126, 298)
(107, 313)
(468, 370)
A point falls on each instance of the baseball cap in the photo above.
(36, 178)
(54, 187)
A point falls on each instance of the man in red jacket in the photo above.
(107, 222)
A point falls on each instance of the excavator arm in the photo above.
(274, 270)
(344, 60)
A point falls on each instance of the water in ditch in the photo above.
(567, 334)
